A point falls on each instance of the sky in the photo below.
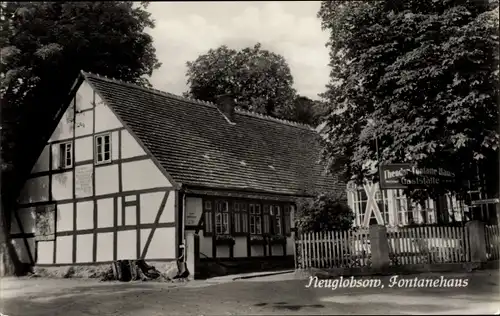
(185, 30)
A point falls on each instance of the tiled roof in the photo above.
(197, 146)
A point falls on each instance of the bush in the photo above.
(326, 212)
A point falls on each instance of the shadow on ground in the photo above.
(290, 307)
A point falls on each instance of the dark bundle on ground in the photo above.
(132, 270)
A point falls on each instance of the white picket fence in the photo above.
(492, 234)
(332, 249)
(430, 244)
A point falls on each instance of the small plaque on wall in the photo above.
(83, 180)
(45, 219)
(193, 216)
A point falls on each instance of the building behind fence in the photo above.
(474, 242)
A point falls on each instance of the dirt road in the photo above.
(280, 294)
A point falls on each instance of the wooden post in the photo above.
(379, 247)
(477, 241)
(196, 255)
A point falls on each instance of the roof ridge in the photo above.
(272, 118)
(152, 90)
(198, 101)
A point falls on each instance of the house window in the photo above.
(423, 213)
(66, 155)
(430, 217)
(401, 206)
(237, 214)
(244, 218)
(222, 218)
(266, 219)
(240, 218)
(408, 212)
(413, 213)
(255, 219)
(360, 201)
(455, 208)
(383, 205)
(287, 220)
(103, 148)
(277, 219)
(419, 213)
(207, 210)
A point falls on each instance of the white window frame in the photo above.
(255, 213)
(418, 213)
(455, 207)
(360, 204)
(430, 212)
(401, 208)
(102, 137)
(222, 218)
(66, 149)
(381, 198)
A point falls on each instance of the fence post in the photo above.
(379, 247)
(477, 241)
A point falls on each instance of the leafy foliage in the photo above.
(39, 37)
(259, 80)
(44, 46)
(421, 77)
(306, 111)
(326, 212)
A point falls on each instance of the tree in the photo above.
(259, 80)
(44, 46)
(420, 77)
(326, 212)
(306, 111)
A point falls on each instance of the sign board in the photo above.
(486, 201)
(403, 176)
(193, 215)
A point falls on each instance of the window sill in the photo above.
(229, 242)
(278, 240)
(102, 163)
(258, 242)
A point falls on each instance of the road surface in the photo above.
(281, 294)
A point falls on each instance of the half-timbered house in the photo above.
(129, 171)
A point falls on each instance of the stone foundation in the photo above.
(98, 271)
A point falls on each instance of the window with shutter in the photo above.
(207, 225)
(66, 155)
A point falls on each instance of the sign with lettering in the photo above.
(83, 181)
(486, 201)
(193, 215)
(403, 176)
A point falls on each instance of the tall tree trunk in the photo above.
(11, 264)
